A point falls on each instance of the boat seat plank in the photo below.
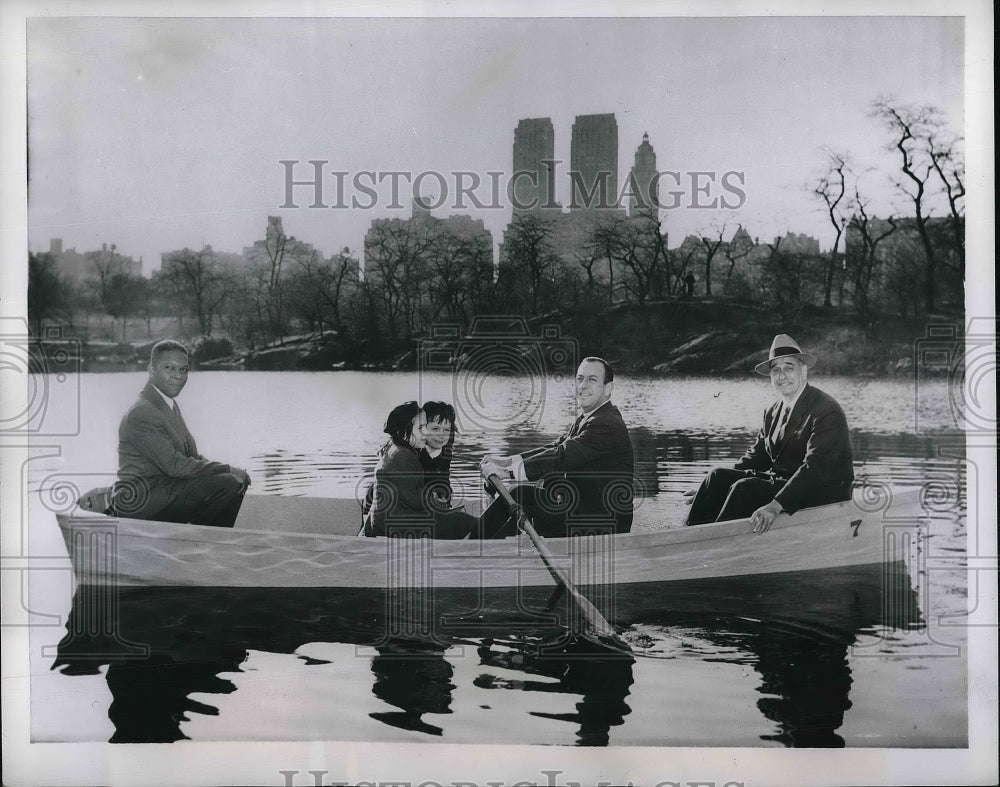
(330, 516)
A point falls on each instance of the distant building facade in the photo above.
(534, 154)
(642, 183)
(797, 243)
(889, 237)
(594, 162)
(422, 231)
(91, 266)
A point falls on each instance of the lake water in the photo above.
(826, 659)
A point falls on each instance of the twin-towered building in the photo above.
(595, 193)
(593, 171)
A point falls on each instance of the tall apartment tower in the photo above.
(534, 145)
(594, 162)
(643, 198)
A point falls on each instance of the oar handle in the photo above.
(497, 484)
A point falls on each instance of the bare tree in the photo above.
(862, 261)
(197, 281)
(711, 246)
(397, 253)
(911, 126)
(461, 272)
(949, 164)
(684, 256)
(318, 287)
(48, 292)
(528, 255)
(637, 244)
(108, 263)
(830, 187)
(600, 246)
(783, 279)
(738, 248)
(587, 259)
(123, 296)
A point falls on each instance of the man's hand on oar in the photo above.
(597, 626)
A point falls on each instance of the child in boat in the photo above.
(402, 501)
(436, 455)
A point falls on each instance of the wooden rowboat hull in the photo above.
(297, 542)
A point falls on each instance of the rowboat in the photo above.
(303, 542)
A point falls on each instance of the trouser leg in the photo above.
(548, 520)
(209, 500)
(747, 496)
(454, 524)
(493, 520)
(711, 495)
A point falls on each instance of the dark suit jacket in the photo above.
(597, 462)
(156, 455)
(399, 490)
(814, 454)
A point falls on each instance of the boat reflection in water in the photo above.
(163, 645)
(601, 679)
(416, 678)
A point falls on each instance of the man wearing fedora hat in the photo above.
(801, 457)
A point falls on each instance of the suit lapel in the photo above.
(182, 428)
(586, 418)
(574, 430)
(795, 420)
(176, 422)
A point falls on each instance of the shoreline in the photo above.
(691, 338)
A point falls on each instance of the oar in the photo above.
(598, 625)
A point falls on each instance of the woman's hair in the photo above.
(399, 423)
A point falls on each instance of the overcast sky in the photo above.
(164, 133)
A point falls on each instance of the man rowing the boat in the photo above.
(801, 457)
(161, 475)
(586, 475)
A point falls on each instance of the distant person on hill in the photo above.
(689, 281)
(801, 457)
(161, 475)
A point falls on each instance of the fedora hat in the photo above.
(784, 346)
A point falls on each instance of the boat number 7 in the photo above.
(855, 524)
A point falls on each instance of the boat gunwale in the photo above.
(634, 540)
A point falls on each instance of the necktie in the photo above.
(575, 429)
(783, 421)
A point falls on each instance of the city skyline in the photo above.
(160, 134)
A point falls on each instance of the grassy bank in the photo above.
(714, 338)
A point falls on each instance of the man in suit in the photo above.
(801, 457)
(161, 475)
(586, 476)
